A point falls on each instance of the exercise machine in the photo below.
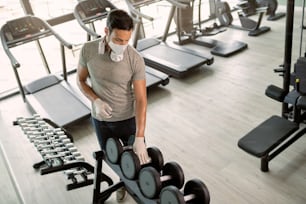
(51, 96)
(188, 33)
(171, 59)
(224, 15)
(251, 6)
(88, 11)
(277, 133)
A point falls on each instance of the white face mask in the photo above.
(117, 51)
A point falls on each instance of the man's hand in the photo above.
(140, 149)
(103, 110)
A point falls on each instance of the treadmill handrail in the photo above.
(42, 34)
(82, 24)
(89, 31)
(12, 58)
(177, 4)
(104, 8)
(137, 13)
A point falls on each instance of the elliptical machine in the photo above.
(271, 5)
(224, 15)
(187, 32)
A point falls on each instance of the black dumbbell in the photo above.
(130, 163)
(114, 149)
(151, 181)
(195, 191)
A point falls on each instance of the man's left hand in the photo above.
(140, 149)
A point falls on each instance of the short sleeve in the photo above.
(139, 67)
(82, 59)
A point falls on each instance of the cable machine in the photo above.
(277, 133)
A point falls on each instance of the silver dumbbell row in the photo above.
(39, 136)
(48, 138)
(39, 142)
(66, 157)
(58, 150)
(54, 145)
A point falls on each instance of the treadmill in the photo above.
(174, 60)
(87, 12)
(50, 96)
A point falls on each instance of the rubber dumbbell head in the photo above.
(195, 191)
(151, 181)
(114, 149)
(130, 163)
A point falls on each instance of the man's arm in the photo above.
(140, 91)
(139, 146)
(82, 75)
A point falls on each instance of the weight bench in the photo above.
(264, 141)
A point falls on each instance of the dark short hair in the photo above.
(119, 19)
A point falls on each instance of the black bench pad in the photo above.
(266, 136)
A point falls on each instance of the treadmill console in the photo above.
(94, 8)
(22, 28)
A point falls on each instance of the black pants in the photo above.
(124, 130)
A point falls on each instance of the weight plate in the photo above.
(174, 170)
(157, 160)
(112, 150)
(128, 164)
(149, 182)
(199, 189)
(171, 195)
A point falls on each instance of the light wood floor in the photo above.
(196, 121)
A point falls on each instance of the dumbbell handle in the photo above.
(189, 197)
(165, 178)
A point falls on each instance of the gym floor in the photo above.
(196, 121)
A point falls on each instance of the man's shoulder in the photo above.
(133, 50)
(92, 43)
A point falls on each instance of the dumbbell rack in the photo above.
(58, 152)
(142, 189)
(131, 185)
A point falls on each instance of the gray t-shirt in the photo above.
(112, 81)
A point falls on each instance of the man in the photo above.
(117, 88)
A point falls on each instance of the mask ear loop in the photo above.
(102, 47)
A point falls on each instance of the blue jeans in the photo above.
(124, 130)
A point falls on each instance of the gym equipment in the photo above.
(114, 149)
(58, 152)
(77, 171)
(130, 164)
(171, 59)
(151, 181)
(277, 133)
(195, 191)
(224, 15)
(187, 33)
(251, 6)
(87, 12)
(51, 96)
